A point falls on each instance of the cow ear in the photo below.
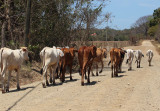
(24, 49)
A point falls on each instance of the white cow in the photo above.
(50, 58)
(11, 60)
(150, 56)
(138, 56)
(130, 56)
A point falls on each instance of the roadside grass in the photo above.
(157, 45)
(28, 74)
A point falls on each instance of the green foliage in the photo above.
(152, 30)
(112, 35)
(34, 51)
(154, 22)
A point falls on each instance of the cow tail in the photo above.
(127, 61)
(109, 62)
(136, 61)
(61, 68)
(41, 71)
(1, 60)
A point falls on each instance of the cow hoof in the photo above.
(43, 85)
(50, 81)
(89, 82)
(7, 90)
(82, 83)
(53, 82)
(85, 77)
(18, 88)
(71, 78)
(62, 80)
(93, 74)
(97, 74)
(3, 91)
(47, 83)
(100, 71)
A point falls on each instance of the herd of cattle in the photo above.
(56, 60)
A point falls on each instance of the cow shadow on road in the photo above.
(21, 98)
(91, 83)
(98, 75)
(122, 72)
(61, 83)
(22, 89)
(73, 80)
(38, 71)
(119, 76)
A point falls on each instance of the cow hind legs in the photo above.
(100, 71)
(50, 80)
(43, 85)
(82, 83)
(93, 74)
(96, 73)
(149, 63)
(3, 91)
(71, 78)
(47, 83)
(7, 89)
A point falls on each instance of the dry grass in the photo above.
(157, 45)
(27, 75)
(139, 43)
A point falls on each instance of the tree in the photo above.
(141, 25)
(154, 22)
(27, 22)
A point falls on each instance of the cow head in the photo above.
(61, 54)
(24, 52)
(93, 51)
(104, 52)
(122, 53)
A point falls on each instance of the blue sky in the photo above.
(126, 12)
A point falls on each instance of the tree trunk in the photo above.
(3, 34)
(8, 14)
(4, 25)
(27, 23)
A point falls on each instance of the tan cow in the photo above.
(116, 56)
(85, 57)
(12, 60)
(66, 60)
(101, 53)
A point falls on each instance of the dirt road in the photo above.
(136, 90)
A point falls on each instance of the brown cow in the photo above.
(85, 57)
(116, 56)
(101, 53)
(66, 60)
